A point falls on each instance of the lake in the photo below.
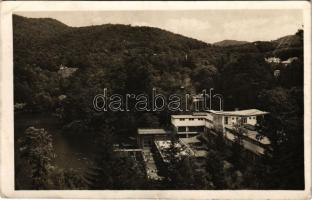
(68, 153)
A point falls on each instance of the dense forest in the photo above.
(130, 59)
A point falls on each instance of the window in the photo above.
(146, 143)
(226, 120)
(196, 129)
(249, 117)
(181, 129)
(254, 117)
(191, 119)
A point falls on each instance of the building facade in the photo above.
(212, 123)
(146, 137)
(224, 123)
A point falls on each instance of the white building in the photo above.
(146, 137)
(289, 61)
(273, 60)
(277, 73)
(186, 125)
(224, 122)
(190, 125)
(213, 122)
(230, 118)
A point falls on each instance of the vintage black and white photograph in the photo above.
(209, 99)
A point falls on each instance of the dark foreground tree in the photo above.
(67, 179)
(214, 165)
(99, 175)
(284, 127)
(112, 171)
(236, 149)
(182, 171)
(37, 150)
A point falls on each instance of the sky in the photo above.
(207, 25)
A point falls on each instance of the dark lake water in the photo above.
(69, 154)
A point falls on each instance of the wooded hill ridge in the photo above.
(41, 46)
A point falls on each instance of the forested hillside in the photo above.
(225, 43)
(127, 59)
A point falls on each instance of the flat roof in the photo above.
(152, 131)
(195, 116)
(200, 114)
(185, 116)
(248, 112)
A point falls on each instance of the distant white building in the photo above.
(66, 72)
(19, 106)
(289, 61)
(273, 60)
(277, 73)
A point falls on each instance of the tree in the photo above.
(111, 171)
(128, 174)
(37, 150)
(214, 165)
(300, 34)
(204, 77)
(99, 176)
(203, 181)
(186, 173)
(284, 128)
(67, 179)
(292, 75)
(242, 78)
(182, 172)
(148, 120)
(257, 174)
(173, 163)
(236, 148)
(287, 157)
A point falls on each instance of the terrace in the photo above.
(250, 134)
(251, 140)
(164, 146)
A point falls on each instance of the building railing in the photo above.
(245, 137)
